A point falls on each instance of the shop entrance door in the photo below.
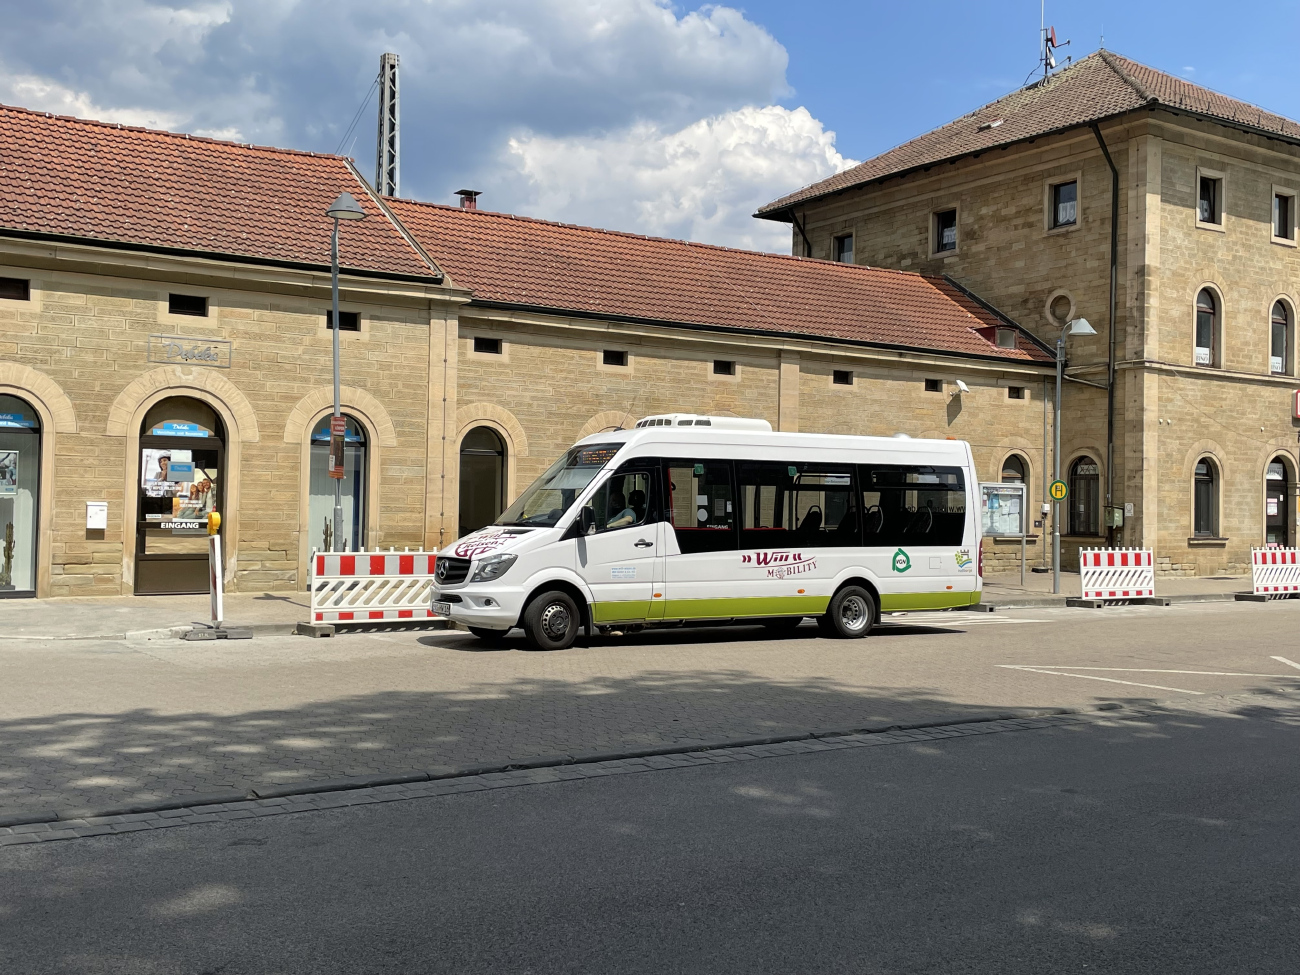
(20, 465)
(182, 473)
(1278, 505)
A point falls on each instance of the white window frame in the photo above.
(1215, 174)
(935, 253)
(1049, 212)
(1288, 192)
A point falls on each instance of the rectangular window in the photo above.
(842, 377)
(1065, 204)
(842, 249)
(349, 321)
(945, 231)
(195, 305)
(490, 346)
(787, 504)
(1006, 338)
(934, 385)
(724, 367)
(613, 357)
(912, 505)
(624, 501)
(1015, 392)
(1210, 200)
(1284, 216)
(16, 289)
(701, 505)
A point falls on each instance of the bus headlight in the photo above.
(493, 567)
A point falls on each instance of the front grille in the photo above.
(451, 572)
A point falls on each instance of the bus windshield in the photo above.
(552, 494)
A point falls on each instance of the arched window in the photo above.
(1085, 494)
(20, 465)
(1279, 503)
(1279, 355)
(1207, 328)
(482, 479)
(1205, 499)
(1013, 469)
(352, 489)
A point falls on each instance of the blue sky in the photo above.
(641, 115)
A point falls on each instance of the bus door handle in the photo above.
(642, 543)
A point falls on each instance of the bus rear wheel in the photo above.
(551, 621)
(851, 614)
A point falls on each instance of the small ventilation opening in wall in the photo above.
(842, 377)
(196, 305)
(934, 385)
(614, 357)
(724, 367)
(1015, 392)
(349, 321)
(490, 346)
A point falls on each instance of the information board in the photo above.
(1003, 510)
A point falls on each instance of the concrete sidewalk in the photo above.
(144, 617)
(1004, 591)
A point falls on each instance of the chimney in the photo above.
(386, 170)
(468, 199)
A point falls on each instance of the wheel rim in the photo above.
(555, 620)
(854, 613)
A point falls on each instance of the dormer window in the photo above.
(1006, 338)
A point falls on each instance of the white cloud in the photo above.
(702, 182)
(655, 102)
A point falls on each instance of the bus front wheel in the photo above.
(851, 614)
(552, 620)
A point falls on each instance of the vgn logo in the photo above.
(902, 561)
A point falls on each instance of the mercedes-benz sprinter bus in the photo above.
(709, 519)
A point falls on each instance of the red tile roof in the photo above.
(1100, 86)
(104, 182)
(524, 262)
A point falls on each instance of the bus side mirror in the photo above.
(587, 519)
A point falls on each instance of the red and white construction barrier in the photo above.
(1117, 573)
(1275, 571)
(358, 587)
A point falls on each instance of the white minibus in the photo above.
(708, 519)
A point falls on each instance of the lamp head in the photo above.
(962, 387)
(1080, 326)
(346, 208)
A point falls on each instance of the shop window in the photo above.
(912, 505)
(20, 464)
(1205, 499)
(1085, 497)
(945, 231)
(842, 249)
(1207, 328)
(320, 504)
(797, 504)
(16, 289)
(701, 505)
(842, 377)
(1065, 204)
(349, 321)
(1279, 503)
(1279, 359)
(482, 479)
(195, 305)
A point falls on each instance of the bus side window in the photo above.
(701, 506)
(912, 504)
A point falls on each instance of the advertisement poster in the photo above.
(8, 473)
(155, 475)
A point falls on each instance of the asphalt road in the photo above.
(1166, 845)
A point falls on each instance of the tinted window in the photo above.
(785, 504)
(701, 507)
(912, 505)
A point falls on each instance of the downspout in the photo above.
(807, 244)
(1110, 358)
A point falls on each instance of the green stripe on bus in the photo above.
(897, 602)
(617, 612)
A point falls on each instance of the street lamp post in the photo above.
(1077, 326)
(344, 208)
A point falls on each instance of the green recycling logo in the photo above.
(902, 561)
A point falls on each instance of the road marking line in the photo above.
(1148, 670)
(1289, 663)
(1109, 680)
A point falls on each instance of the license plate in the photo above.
(442, 609)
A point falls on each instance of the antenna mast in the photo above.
(386, 167)
(1047, 45)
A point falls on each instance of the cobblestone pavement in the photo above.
(87, 726)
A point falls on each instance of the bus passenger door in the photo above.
(702, 578)
(620, 557)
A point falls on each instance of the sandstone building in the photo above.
(165, 351)
(1181, 414)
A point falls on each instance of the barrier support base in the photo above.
(314, 629)
(208, 632)
(1092, 603)
(1250, 597)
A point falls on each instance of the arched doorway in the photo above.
(182, 475)
(1279, 503)
(320, 503)
(1085, 494)
(20, 465)
(482, 479)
